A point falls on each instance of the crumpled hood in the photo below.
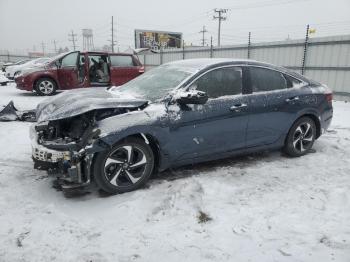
(76, 102)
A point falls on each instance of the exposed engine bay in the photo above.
(77, 130)
(64, 148)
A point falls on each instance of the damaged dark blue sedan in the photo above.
(179, 113)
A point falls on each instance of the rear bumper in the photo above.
(325, 124)
(326, 120)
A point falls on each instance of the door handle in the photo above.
(238, 107)
(291, 99)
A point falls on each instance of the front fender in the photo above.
(45, 74)
(152, 121)
(117, 128)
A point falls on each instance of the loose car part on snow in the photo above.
(10, 113)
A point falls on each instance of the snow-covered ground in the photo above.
(262, 207)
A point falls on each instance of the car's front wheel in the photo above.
(301, 137)
(45, 87)
(126, 167)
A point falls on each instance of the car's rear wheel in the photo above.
(126, 167)
(301, 137)
(45, 87)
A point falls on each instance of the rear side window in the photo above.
(263, 79)
(122, 61)
(220, 82)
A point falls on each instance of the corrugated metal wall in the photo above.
(327, 58)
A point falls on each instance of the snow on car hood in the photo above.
(76, 102)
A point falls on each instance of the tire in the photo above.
(127, 166)
(301, 137)
(45, 87)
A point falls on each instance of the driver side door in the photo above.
(68, 74)
(218, 126)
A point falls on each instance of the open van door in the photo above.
(123, 68)
(69, 73)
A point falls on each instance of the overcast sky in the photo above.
(24, 24)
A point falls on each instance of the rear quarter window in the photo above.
(122, 61)
(293, 82)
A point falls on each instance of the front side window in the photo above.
(122, 60)
(263, 79)
(70, 60)
(220, 82)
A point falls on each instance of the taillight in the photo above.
(142, 69)
(329, 98)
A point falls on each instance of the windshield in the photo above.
(155, 83)
(58, 56)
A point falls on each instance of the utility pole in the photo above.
(55, 46)
(43, 47)
(220, 17)
(112, 36)
(73, 39)
(249, 44)
(306, 43)
(203, 31)
(183, 49)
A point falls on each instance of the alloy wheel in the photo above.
(46, 87)
(303, 137)
(125, 166)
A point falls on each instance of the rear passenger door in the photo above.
(124, 68)
(273, 106)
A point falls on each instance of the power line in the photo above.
(73, 39)
(264, 4)
(220, 17)
(203, 31)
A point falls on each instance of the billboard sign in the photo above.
(157, 39)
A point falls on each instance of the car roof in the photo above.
(103, 53)
(200, 64)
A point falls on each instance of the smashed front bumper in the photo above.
(72, 167)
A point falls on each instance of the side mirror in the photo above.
(193, 97)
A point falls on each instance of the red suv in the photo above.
(80, 69)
